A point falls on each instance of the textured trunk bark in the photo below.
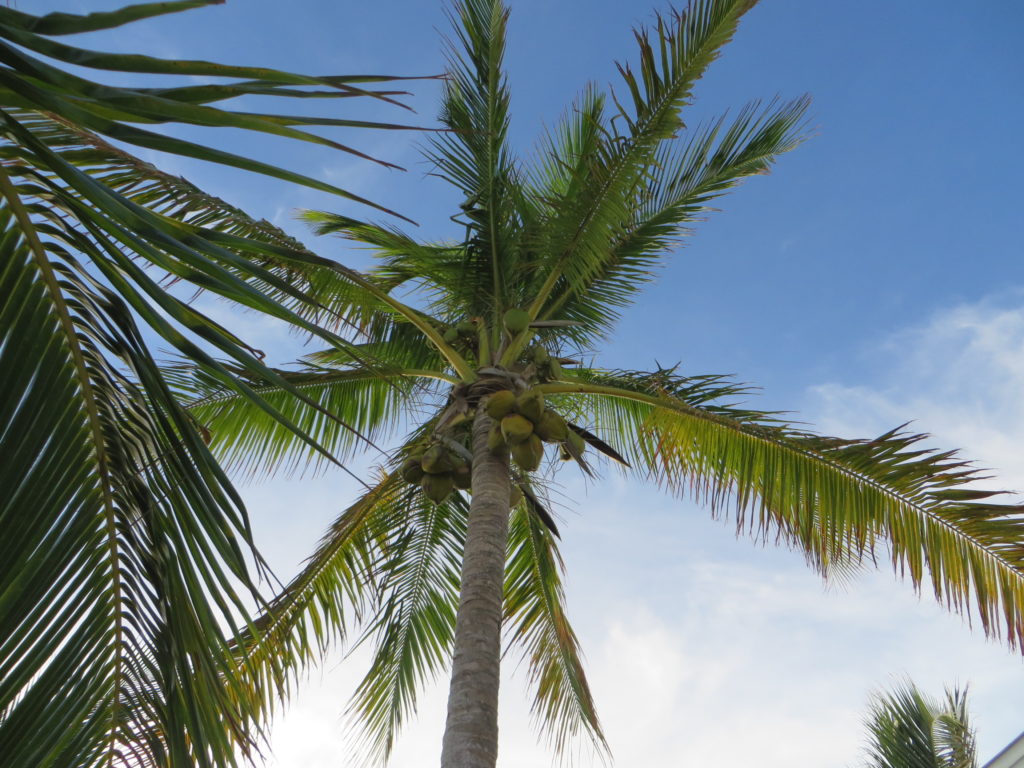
(471, 733)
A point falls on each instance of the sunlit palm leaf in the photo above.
(345, 410)
(836, 499)
(474, 157)
(685, 176)
(596, 208)
(333, 590)
(390, 561)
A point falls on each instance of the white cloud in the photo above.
(960, 377)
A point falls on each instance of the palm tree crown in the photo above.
(454, 539)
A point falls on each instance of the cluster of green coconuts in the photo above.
(438, 470)
(523, 424)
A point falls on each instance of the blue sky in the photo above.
(874, 278)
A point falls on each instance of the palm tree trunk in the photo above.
(471, 733)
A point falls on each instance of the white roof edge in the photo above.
(1012, 755)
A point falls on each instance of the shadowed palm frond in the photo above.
(908, 730)
(29, 82)
(126, 551)
(109, 654)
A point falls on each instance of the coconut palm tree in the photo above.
(125, 553)
(906, 729)
(481, 349)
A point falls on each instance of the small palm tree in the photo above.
(908, 730)
(123, 546)
(482, 347)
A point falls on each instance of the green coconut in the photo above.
(540, 356)
(463, 477)
(528, 454)
(515, 496)
(531, 405)
(466, 328)
(516, 428)
(551, 428)
(437, 487)
(500, 404)
(411, 470)
(496, 441)
(577, 443)
(554, 369)
(516, 320)
(437, 460)
(450, 336)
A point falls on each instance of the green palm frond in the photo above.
(835, 499)
(908, 730)
(343, 411)
(673, 56)
(333, 591)
(415, 623)
(125, 547)
(538, 627)
(436, 270)
(954, 734)
(109, 654)
(685, 176)
(473, 156)
(389, 563)
(142, 182)
(116, 112)
(268, 262)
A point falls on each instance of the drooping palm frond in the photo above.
(836, 499)
(390, 564)
(116, 521)
(539, 629)
(317, 608)
(414, 626)
(908, 730)
(125, 546)
(29, 82)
